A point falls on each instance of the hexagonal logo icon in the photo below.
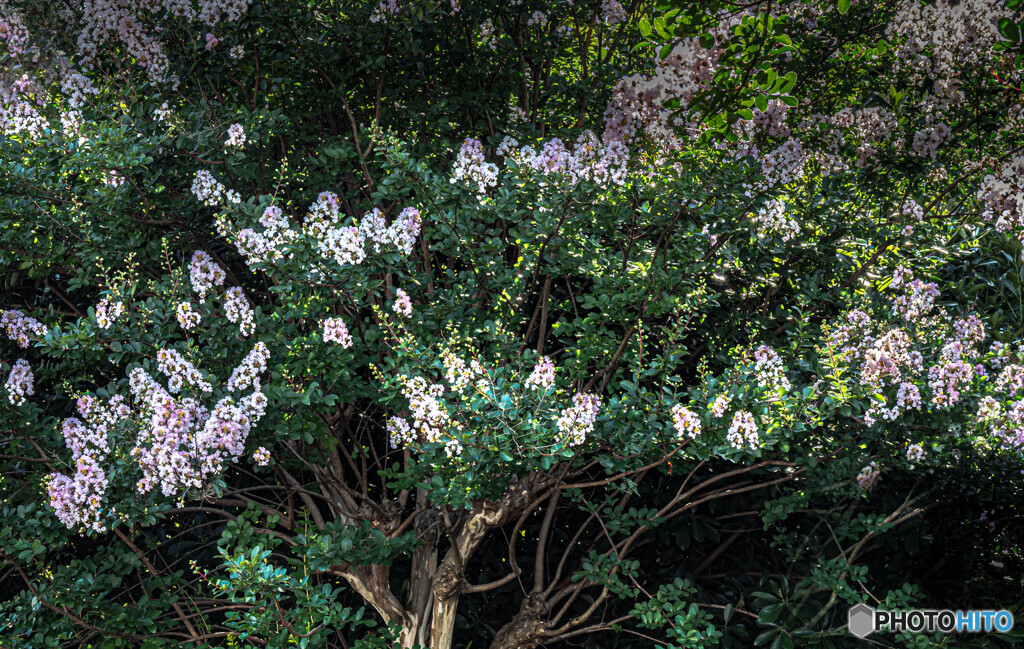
(861, 621)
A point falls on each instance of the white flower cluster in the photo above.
(162, 113)
(772, 120)
(180, 371)
(685, 421)
(236, 136)
(207, 189)
(719, 405)
(268, 245)
(204, 274)
(343, 244)
(237, 309)
(236, 53)
(429, 416)
(76, 86)
(457, 373)
(928, 140)
(1003, 196)
(743, 431)
(577, 421)
(771, 220)
(187, 316)
(470, 166)
(401, 234)
(783, 165)
(589, 159)
(108, 311)
(538, 18)
(247, 373)
(17, 113)
(543, 375)
(769, 369)
(20, 382)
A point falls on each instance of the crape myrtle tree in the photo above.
(445, 324)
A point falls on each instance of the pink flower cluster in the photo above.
(131, 23)
(261, 456)
(613, 12)
(868, 476)
(20, 382)
(685, 421)
(1011, 381)
(13, 32)
(204, 274)
(916, 300)
(638, 101)
(77, 500)
(181, 443)
(335, 331)
(237, 310)
(402, 304)
(384, 11)
(543, 375)
(884, 357)
(577, 421)
(743, 431)
(20, 327)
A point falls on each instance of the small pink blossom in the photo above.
(335, 331)
(402, 305)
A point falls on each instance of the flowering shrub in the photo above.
(411, 323)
